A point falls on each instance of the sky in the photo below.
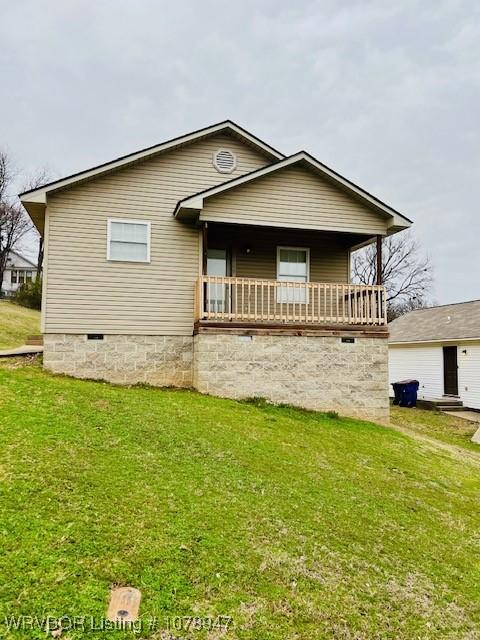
(386, 93)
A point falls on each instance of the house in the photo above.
(213, 260)
(439, 347)
(18, 271)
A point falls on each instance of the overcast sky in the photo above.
(386, 93)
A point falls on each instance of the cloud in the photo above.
(386, 93)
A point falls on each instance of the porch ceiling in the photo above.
(237, 234)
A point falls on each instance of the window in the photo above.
(20, 276)
(293, 265)
(128, 240)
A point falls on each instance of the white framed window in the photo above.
(293, 265)
(21, 276)
(128, 240)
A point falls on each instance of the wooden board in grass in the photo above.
(124, 604)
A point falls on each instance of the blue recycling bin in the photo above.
(405, 393)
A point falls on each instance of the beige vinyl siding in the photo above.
(328, 260)
(329, 253)
(293, 197)
(85, 293)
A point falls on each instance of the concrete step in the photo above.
(34, 341)
(446, 402)
(441, 404)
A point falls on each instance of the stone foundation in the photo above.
(157, 360)
(320, 373)
(315, 372)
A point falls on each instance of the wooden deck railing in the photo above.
(225, 299)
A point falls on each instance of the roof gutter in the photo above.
(399, 343)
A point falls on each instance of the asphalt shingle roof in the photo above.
(448, 322)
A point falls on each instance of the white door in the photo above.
(217, 265)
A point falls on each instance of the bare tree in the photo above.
(6, 174)
(401, 308)
(406, 272)
(34, 182)
(14, 221)
(14, 224)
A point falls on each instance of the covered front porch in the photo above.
(277, 277)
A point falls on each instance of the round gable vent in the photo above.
(224, 161)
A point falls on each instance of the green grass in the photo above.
(297, 525)
(16, 323)
(446, 428)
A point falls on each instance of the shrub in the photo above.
(257, 401)
(333, 415)
(29, 295)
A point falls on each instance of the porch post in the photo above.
(204, 247)
(379, 260)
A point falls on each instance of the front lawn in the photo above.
(16, 323)
(295, 525)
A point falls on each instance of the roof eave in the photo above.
(22, 257)
(40, 194)
(396, 343)
(397, 222)
(36, 210)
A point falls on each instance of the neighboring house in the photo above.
(214, 261)
(18, 271)
(439, 347)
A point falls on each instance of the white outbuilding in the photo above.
(439, 347)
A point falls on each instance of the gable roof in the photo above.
(19, 255)
(39, 194)
(195, 202)
(437, 324)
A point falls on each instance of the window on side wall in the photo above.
(19, 276)
(128, 240)
(293, 265)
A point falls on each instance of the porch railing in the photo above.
(224, 299)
